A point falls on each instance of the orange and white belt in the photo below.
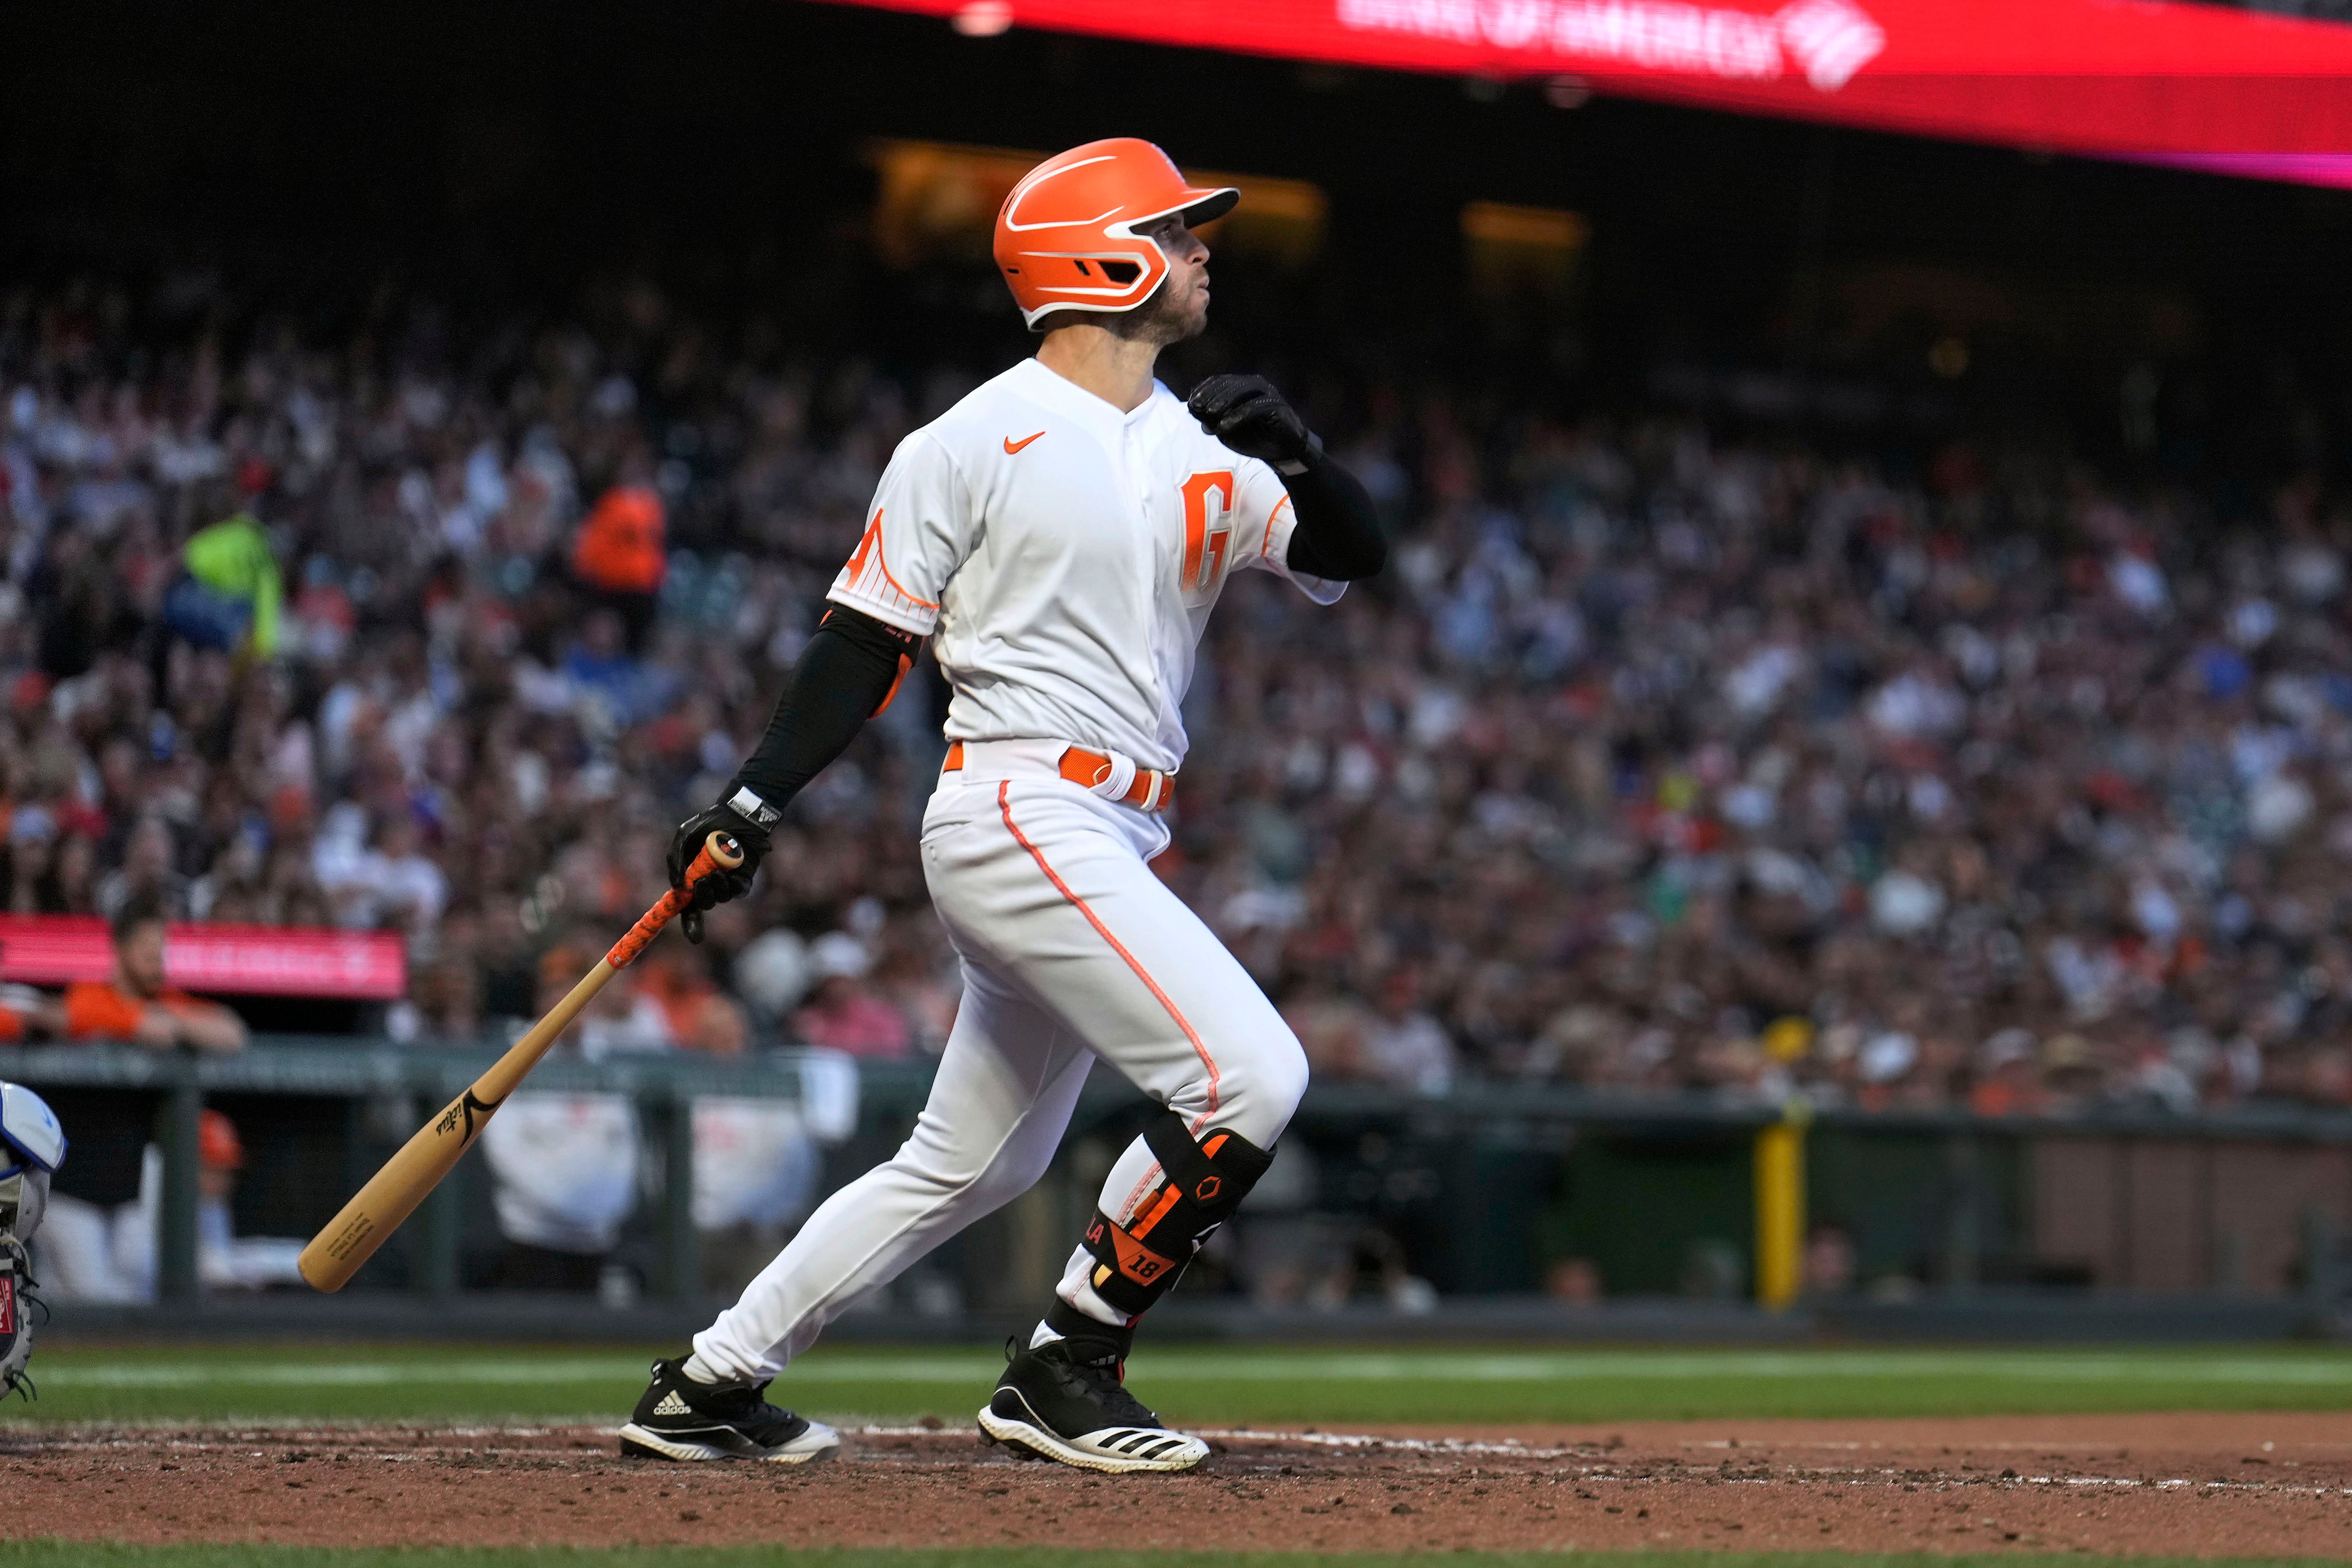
(1108, 774)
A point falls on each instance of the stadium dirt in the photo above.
(2202, 1484)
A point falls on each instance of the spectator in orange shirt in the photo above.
(620, 555)
(2008, 1078)
(701, 1016)
(93, 1254)
(25, 1012)
(136, 1006)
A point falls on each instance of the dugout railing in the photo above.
(1488, 1190)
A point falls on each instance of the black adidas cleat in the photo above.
(680, 1418)
(1062, 1402)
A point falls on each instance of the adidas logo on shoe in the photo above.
(671, 1405)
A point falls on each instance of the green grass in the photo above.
(1196, 1384)
(84, 1555)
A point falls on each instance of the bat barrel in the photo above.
(392, 1195)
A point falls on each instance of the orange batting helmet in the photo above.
(1066, 236)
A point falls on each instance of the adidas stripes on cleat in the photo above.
(1061, 1403)
(680, 1418)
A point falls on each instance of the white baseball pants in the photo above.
(1072, 948)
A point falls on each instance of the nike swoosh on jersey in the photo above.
(1012, 446)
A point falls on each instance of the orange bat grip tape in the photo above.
(665, 910)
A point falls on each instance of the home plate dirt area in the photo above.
(2234, 1485)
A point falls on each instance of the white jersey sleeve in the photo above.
(1263, 522)
(920, 531)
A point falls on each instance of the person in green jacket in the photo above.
(230, 593)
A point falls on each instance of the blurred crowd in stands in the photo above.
(1660, 760)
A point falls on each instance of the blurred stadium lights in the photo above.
(1281, 220)
(1515, 251)
(939, 200)
(983, 18)
(1568, 92)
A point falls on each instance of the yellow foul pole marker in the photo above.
(1780, 1207)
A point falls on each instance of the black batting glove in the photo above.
(739, 816)
(1247, 414)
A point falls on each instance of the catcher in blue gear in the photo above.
(32, 1145)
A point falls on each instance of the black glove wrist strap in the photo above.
(752, 808)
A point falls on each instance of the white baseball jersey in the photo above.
(1063, 556)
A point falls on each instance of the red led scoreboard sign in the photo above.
(2240, 92)
(226, 960)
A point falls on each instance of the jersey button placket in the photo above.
(1140, 472)
(1163, 550)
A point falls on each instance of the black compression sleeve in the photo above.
(1338, 536)
(847, 675)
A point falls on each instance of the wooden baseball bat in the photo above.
(391, 1194)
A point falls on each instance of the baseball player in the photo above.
(1061, 535)
(32, 1146)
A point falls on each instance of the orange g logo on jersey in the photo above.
(1208, 528)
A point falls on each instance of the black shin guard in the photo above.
(1202, 1182)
